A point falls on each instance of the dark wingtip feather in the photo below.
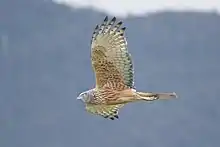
(114, 19)
(97, 26)
(106, 18)
(120, 23)
(112, 118)
(123, 28)
(116, 116)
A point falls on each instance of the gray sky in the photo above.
(124, 7)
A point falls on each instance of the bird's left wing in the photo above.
(107, 111)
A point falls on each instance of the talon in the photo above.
(156, 97)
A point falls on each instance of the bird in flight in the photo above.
(114, 73)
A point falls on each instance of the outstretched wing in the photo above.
(111, 60)
(107, 111)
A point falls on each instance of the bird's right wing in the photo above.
(110, 58)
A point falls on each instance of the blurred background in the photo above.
(45, 64)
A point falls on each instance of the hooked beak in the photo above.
(79, 98)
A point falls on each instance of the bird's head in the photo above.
(85, 96)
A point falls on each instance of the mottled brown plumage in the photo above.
(114, 72)
(110, 58)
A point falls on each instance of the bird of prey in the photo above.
(114, 73)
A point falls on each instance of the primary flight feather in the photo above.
(114, 73)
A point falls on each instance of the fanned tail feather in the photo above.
(148, 96)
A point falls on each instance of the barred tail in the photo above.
(148, 96)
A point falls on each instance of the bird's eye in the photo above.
(84, 94)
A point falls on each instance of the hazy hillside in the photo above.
(45, 64)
